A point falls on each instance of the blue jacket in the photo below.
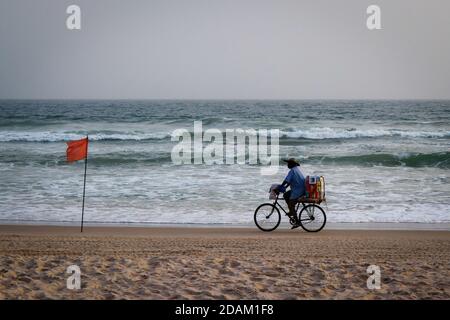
(296, 181)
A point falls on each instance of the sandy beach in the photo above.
(221, 263)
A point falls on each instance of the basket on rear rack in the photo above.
(315, 190)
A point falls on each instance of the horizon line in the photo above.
(225, 99)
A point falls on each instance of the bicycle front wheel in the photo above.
(312, 218)
(267, 217)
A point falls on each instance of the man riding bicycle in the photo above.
(296, 181)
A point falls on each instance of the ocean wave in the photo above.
(336, 133)
(112, 160)
(105, 159)
(11, 136)
(415, 160)
(437, 160)
(288, 134)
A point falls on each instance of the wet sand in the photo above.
(221, 263)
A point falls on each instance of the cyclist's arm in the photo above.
(282, 187)
(286, 182)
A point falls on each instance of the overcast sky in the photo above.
(225, 49)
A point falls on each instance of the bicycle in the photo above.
(312, 217)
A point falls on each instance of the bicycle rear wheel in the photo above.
(267, 217)
(312, 218)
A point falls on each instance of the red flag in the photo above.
(77, 150)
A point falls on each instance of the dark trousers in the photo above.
(290, 202)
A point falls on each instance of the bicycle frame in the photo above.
(278, 205)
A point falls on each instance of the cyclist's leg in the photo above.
(287, 196)
(291, 205)
(292, 214)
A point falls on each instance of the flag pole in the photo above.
(84, 184)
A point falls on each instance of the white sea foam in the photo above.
(191, 194)
(339, 133)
